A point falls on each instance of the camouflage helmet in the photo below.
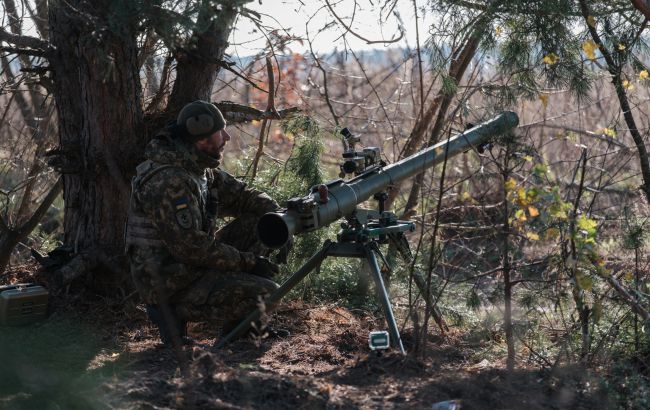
(200, 119)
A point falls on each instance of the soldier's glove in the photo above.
(264, 267)
(283, 252)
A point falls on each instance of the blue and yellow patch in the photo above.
(181, 203)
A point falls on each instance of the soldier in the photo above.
(183, 267)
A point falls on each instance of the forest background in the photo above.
(536, 246)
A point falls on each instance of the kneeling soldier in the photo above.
(183, 268)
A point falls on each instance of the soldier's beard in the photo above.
(216, 152)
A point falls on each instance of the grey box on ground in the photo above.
(22, 303)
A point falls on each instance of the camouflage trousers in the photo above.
(227, 297)
(216, 296)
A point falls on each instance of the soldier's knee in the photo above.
(269, 286)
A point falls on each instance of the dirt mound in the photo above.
(99, 353)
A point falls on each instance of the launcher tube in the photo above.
(306, 214)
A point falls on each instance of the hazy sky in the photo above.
(370, 22)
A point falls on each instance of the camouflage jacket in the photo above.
(177, 195)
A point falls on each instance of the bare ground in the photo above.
(94, 353)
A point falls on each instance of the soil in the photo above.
(98, 353)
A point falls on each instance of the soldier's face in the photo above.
(214, 144)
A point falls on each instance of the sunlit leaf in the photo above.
(587, 224)
(510, 184)
(550, 59)
(552, 233)
(532, 236)
(609, 132)
(591, 20)
(643, 75)
(589, 47)
(520, 215)
(533, 212)
(544, 99)
(521, 197)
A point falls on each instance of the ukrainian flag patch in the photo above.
(181, 203)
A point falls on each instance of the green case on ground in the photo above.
(22, 303)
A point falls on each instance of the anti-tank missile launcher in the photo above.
(337, 199)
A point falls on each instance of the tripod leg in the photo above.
(385, 301)
(275, 297)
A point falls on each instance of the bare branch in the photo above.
(238, 113)
(349, 29)
(22, 41)
(266, 123)
(36, 217)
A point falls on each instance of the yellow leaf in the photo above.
(510, 184)
(465, 196)
(609, 132)
(621, 47)
(627, 85)
(521, 197)
(532, 236)
(552, 233)
(533, 212)
(528, 158)
(589, 47)
(643, 75)
(498, 30)
(628, 276)
(520, 215)
(550, 59)
(544, 99)
(255, 122)
(591, 20)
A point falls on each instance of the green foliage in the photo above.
(337, 278)
(635, 230)
(627, 386)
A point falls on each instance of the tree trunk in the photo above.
(103, 131)
(198, 65)
(8, 241)
(97, 94)
(507, 270)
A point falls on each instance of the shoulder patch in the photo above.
(181, 203)
(184, 218)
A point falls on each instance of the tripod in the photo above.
(356, 240)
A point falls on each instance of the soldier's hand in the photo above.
(264, 267)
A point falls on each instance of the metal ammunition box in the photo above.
(22, 303)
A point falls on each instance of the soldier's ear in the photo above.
(198, 125)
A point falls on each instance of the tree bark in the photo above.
(97, 93)
(198, 64)
(507, 271)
